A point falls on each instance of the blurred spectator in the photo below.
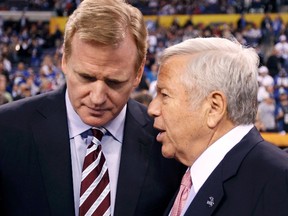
(3, 70)
(46, 85)
(3, 99)
(282, 112)
(241, 23)
(151, 74)
(23, 54)
(266, 27)
(143, 85)
(281, 80)
(252, 35)
(35, 52)
(280, 83)
(273, 63)
(266, 112)
(190, 31)
(23, 22)
(23, 91)
(259, 124)
(262, 53)
(152, 41)
(278, 26)
(266, 83)
(20, 74)
(3, 89)
(7, 65)
(282, 48)
(51, 71)
(142, 97)
(264, 78)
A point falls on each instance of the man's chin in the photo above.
(166, 153)
(94, 121)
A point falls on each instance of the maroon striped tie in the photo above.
(95, 189)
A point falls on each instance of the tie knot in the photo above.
(98, 132)
(186, 180)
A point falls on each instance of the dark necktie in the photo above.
(95, 189)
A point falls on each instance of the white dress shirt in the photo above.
(111, 147)
(210, 159)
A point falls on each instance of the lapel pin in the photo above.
(210, 201)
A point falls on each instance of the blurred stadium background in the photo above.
(31, 33)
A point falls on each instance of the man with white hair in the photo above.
(205, 110)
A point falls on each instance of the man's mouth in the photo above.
(160, 136)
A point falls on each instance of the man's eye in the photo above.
(164, 94)
(87, 78)
(114, 84)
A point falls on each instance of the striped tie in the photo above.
(95, 189)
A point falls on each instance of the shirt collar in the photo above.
(116, 126)
(213, 155)
(76, 126)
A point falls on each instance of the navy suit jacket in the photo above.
(251, 180)
(35, 161)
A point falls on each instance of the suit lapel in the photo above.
(208, 197)
(134, 160)
(211, 193)
(206, 200)
(51, 135)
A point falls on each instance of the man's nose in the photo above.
(154, 107)
(98, 93)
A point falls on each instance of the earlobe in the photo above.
(218, 106)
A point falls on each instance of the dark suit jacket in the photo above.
(251, 180)
(35, 161)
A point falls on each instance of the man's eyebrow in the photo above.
(111, 79)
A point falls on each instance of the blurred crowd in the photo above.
(170, 7)
(158, 7)
(30, 56)
(269, 40)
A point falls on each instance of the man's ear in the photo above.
(139, 73)
(63, 63)
(218, 106)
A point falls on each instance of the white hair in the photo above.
(219, 64)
